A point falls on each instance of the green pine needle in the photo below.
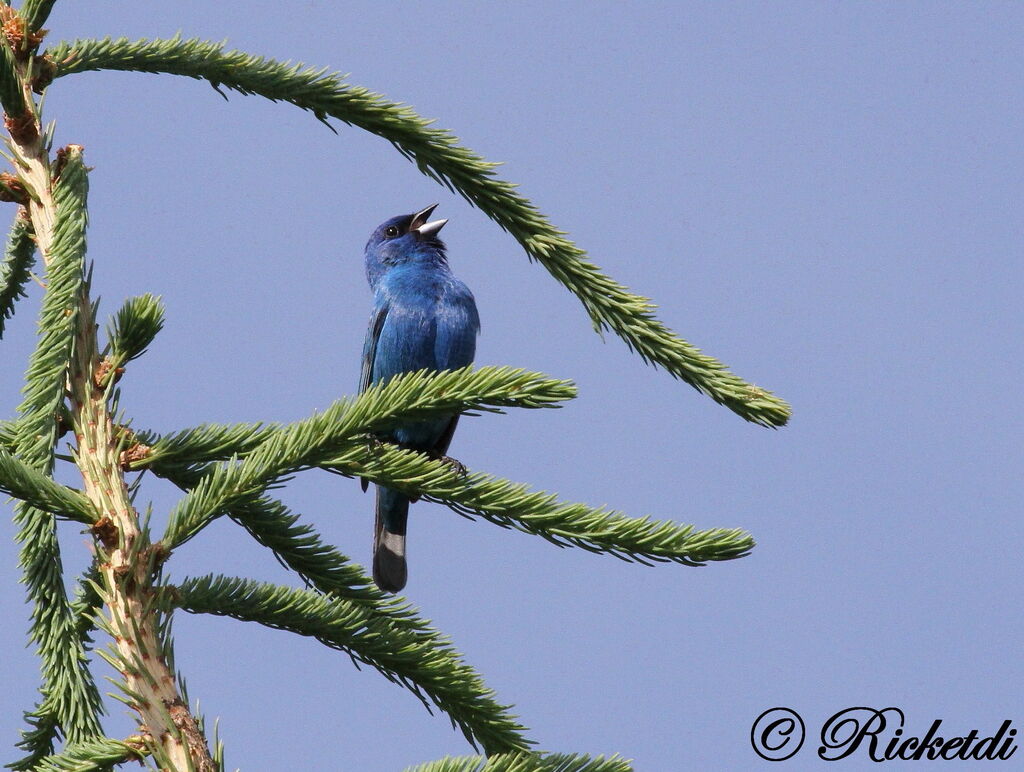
(8, 436)
(11, 95)
(65, 278)
(133, 328)
(300, 548)
(514, 505)
(98, 755)
(204, 443)
(20, 480)
(429, 666)
(526, 762)
(438, 154)
(69, 692)
(36, 12)
(16, 269)
(310, 442)
(261, 456)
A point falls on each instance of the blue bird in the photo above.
(423, 318)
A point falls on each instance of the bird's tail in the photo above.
(389, 571)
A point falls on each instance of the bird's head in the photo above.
(404, 239)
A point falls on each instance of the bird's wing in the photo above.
(457, 327)
(441, 446)
(380, 314)
(377, 319)
(455, 344)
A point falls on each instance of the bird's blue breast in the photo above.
(432, 324)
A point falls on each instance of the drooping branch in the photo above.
(321, 566)
(431, 660)
(181, 457)
(424, 663)
(514, 505)
(310, 442)
(438, 154)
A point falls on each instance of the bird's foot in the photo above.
(373, 444)
(456, 466)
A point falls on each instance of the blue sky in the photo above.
(826, 196)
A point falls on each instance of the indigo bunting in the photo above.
(423, 318)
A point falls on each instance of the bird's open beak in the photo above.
(421, 227)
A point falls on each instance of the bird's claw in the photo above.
(454, 464)
(373, 444)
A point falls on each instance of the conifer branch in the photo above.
(526, 762)
(16, 269)
(12, 95)
(437, 153)
(299, 547)
(99, 755)
(87, 603)
(71, 701)
(308, 443)
(474, 495)
(416, 661)
(142, 650)
(128, 563)
(228, 469)
(46, 379)
(514, 505)
(38, 490)
(36, 12)
(133, 328)
(375, 410)
(202, 444)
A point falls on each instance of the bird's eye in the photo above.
(392, 231)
